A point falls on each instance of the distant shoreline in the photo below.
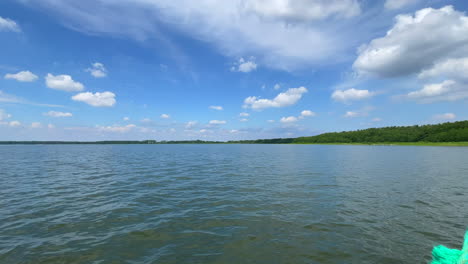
(445, 134)
(435, 144)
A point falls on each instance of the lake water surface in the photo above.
(230, 203)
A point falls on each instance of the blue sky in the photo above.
(224, 70)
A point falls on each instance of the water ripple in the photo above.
(230, 203)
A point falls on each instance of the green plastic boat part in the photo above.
(444, 255)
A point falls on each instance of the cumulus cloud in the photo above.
(22, 76)
(7, 24)
(277, 86)
(352, 94)
(397, 4)
(279, 33)
(447, 90)
(455, 68)
(191, 124)
(292, 119)
(307, 113)
(243, 114)
(376, 119)
(14, 123)
(446, 116)
(63, 83)
(36, 125)
(165, 116)
(97, 70)
(126, 118)
(244, 120)
(118, 129)
(104, 99)
(58, 114)
(358, 113)
(351, 114)
(416, 42)
(216, 107)
(289, 119)
(288, 98)
(244, 66)
(217, 122)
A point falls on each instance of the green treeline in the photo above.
(264, 141)
(109, 142)
(446, 132)
(440, 133)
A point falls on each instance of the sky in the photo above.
(228, 70)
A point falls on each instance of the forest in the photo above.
(446, 132)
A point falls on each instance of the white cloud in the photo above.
(58, 114)
(359, 113)
(217, 122)
(306, 113)
(63, 83)
(243, 114)
(104, 99)
(446, 116)
(303, 10)
(7, 24)
(4, 115)
(244, 66)
(447, 90)
(146, 120)
(288, 98)
(271, 121)
(289, 119)
(8, 98)
(14, 124)
(351, 114)
(36, 125)
(279, 33)
(244, 120)
(415, 43)
(351, 95)
(165, 116)
(97, 70)
(277, 86)
(118, 129)
(126, 118)
(397, 4)
(191, 124)
(50, 126)
(22, 76)
(451, 68)
(376, 119)
(216, 107)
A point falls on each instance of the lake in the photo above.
(230, 203)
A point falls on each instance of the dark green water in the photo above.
(230, 203)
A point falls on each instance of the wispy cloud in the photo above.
(8, 98)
